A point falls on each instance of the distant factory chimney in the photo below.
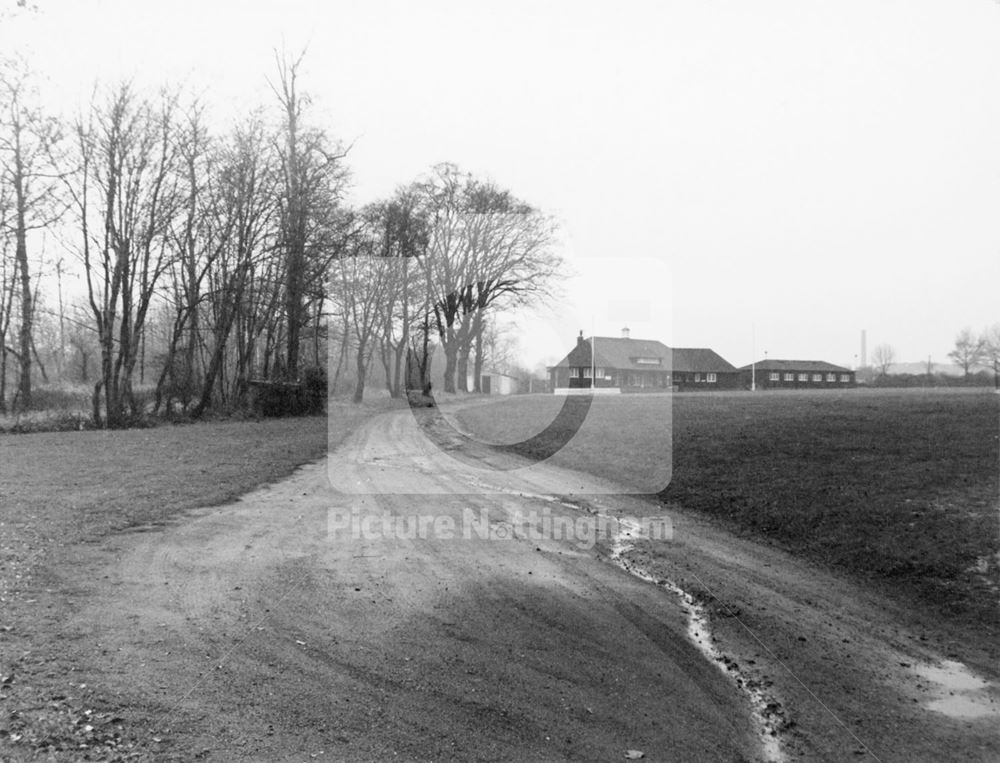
(625, 333)
(864, 348)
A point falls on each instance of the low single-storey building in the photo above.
(698, 368)
(797, 374)
(640, 365)
(496, 383)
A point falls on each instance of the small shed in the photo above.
(495, 383)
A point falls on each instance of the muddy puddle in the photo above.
(958, 692)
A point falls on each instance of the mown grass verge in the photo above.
(77, 485)
(899, 488)
(60, 489)
(63, 487)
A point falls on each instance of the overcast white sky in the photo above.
(797, 170)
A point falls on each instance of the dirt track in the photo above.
(264, 630)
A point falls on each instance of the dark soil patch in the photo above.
(897, 488)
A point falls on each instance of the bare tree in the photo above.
(512, 265)
(362, 281)
(446, 261)
(969, 350)
(245, 211)
(991, 351)
(125, 196)
(400, 237)
(498, 347)
(8, 283)
(27, 138)
(313, 176)
(82, 339)
(883, 356)
(486, 249)
(196, 237)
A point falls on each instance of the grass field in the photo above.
(63, 487)
(898, 488)
(624, 438)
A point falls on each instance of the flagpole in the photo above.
(593, 355)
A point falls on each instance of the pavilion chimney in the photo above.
(625, 333)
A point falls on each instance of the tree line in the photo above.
(970, 351)
(973, 349)
(209, 260)
(431, 268)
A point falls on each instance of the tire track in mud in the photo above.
(766, 711)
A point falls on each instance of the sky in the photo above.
(767, 177)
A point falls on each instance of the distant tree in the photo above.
(361, 282)
(883, 356)
(499, 349)
(991, 350)
(83, 341)
(969, 350)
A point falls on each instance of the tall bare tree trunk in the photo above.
(477, 330)
(3, 377)
(27, 296)
(464, 343)
(6, 304)
(450, 364)
(397, 372)
(385, 356)
(232, 298)
(295, 218)
(361, 369)
(462, 370)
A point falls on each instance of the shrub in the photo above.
(314, 383)
(64, 397)
(273, 398)
(47, 421)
